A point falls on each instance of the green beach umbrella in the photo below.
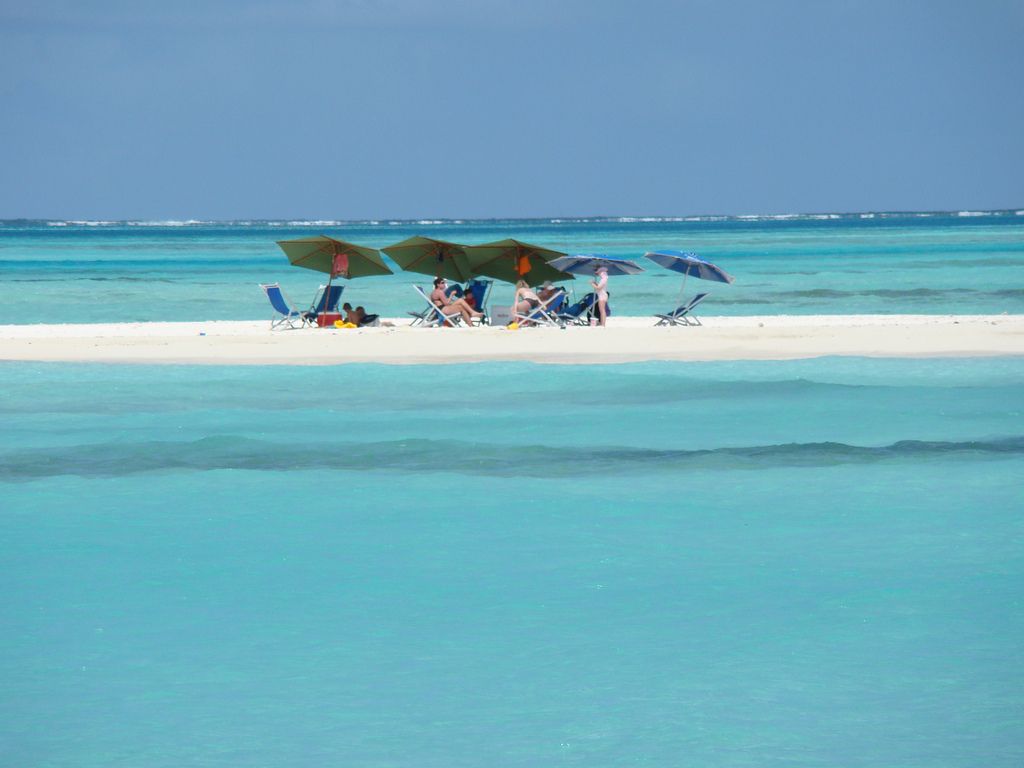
(512, 260)
(437, 258)
(335, 258)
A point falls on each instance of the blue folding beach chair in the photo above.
(480, 290)
(285, 316)
(327, 301)
(581, 312)
(683, 314)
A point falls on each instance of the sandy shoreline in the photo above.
(627, 339)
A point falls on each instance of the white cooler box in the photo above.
(500, 315)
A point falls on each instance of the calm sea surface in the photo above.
(728, 564)
(814, 563)
(966, 262)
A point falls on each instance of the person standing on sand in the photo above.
(601, 290)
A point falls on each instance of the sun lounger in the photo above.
(579, 313)
(425, 316)
(433, 315)
(327, 301)
(480, 290)
(419, 318)
(683, 314)
(545, 314)
(285, 315)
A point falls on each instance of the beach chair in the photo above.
(578, 313)
(480, 290)
(326, 301)
(545, 314)
(683, 314)
(285, 316)
(419, 318)
(425, 316)
(432, 315)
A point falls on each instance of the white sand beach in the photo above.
(626, 339)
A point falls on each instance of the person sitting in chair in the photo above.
(525, 300)
(548, 291)
(439, 298)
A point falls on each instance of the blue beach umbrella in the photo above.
(589, 263)
(689, 264)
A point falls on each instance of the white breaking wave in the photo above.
(169, 223)
(646, 219)
(83, 223)
(323, 223)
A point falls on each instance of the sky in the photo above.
(369, 109)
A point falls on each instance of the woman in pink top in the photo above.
(601, 289)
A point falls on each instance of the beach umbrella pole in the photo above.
(327, 290)
(682, 290)
(327, 293)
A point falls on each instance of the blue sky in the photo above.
(403, 109)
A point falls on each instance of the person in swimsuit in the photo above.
(366, 318)
(547, 291)
(601, 289)
(353, 316)
(439, 298)
(525, 300)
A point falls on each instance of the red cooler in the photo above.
(326, 319)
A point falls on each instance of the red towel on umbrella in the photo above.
(340, 265)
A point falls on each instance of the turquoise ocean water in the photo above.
(968, 262)
(717, 564)
(813, 563)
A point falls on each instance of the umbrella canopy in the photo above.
(335, 258)
(512, 260)
(689, 264)
(589, 263)
(437, 258)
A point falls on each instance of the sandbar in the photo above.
(626, 339)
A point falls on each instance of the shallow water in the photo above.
(851, 264)
(730, 564)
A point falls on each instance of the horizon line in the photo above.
(553, 219)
